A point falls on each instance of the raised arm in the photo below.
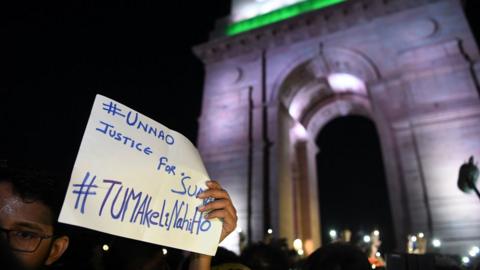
(222, 208)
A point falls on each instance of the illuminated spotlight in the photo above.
(374, 266)
(366, 239)
(344, 82)
(378, 254)
(297, 244)
(300, 252)
(465, 259)
(333, 234)
(414, 238)
(105, 247)
(473, 251)
(376, 233)
(421, 235)
(300, 131)
(269, 231)
(164, 251)
(436, 243)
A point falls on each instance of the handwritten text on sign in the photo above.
(135, 178)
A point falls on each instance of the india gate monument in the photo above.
(278, 71)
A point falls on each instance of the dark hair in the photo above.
(223, 256)
(35, 185)
(337, 256)
(127, 254)
(261, 256)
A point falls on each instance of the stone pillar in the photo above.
(437, 131)
(232, 138)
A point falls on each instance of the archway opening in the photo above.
(351, 181)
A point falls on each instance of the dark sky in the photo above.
(352, 184)
(55, 58)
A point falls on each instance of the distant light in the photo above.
(421, 235)
(164, 251)
(374, 266)
(414, 238)
(297, 244)
(366, 239)
(436, 243)
(378, 254)
(344, 82)
(465, 259)
(376, 233)
(269, 231)
(309, 246)
(300, 252)
(105, 247)
(333, 234)
(474, 251)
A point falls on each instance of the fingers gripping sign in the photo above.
(221, 207)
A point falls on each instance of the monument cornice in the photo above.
(305, 26)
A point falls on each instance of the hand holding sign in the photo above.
(222, 207)
(135, 178)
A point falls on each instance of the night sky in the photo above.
(352, 184)
(56, 58)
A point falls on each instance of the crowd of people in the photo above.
(31, 238)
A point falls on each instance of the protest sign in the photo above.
(135, 178)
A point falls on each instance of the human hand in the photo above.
(222, 207)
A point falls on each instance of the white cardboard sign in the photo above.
(135, 178)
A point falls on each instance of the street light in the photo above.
(474, 251)
(366, 239)
(297, 244)
(333, 234)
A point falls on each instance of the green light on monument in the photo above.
(278, 15)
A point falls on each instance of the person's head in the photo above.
(29, 207)
(261, 256)
(225, 259)
(128, 254)
(337, 256)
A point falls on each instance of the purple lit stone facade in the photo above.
(267, 96)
